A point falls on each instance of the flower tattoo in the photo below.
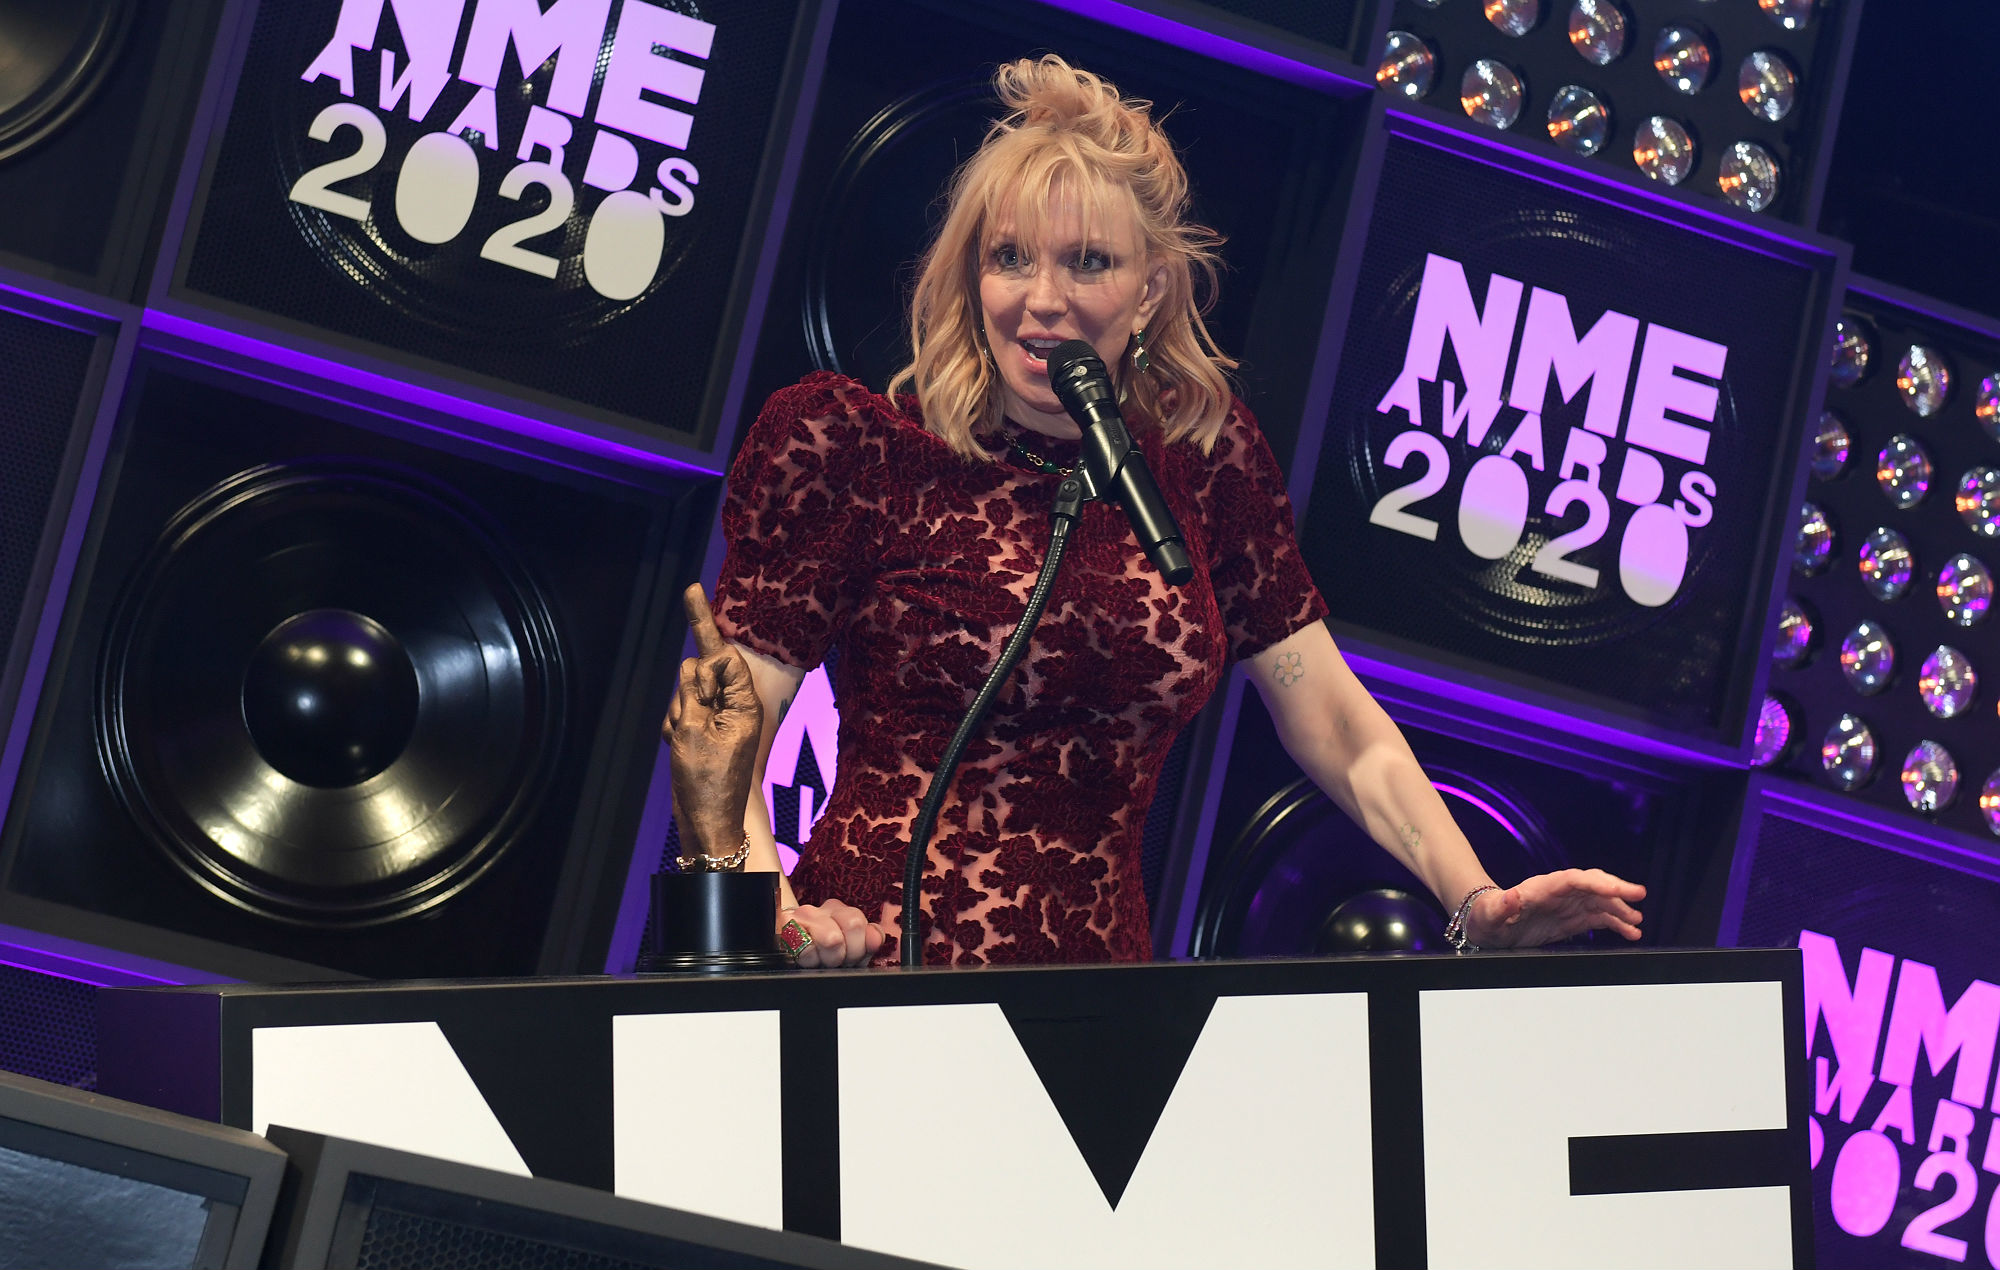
(1290, 669)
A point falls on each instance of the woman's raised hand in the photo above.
(1555, 906)
(841, 935)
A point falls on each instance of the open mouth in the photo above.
(1039, 350)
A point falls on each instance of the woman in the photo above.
(908, 528)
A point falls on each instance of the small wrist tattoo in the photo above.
(1411, 837)
(1289, 668)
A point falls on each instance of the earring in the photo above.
(1140, 361)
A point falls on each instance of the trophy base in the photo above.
(713, 923)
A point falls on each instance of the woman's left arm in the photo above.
(1353, 751)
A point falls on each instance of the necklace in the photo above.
(1036, 461)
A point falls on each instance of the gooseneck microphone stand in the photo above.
(1078, 488)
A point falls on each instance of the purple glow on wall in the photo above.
(1209, 43)
(1492, 812)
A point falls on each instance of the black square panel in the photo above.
(569, 231)
(1561, 434)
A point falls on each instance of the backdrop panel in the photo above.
(336, 693)
(1897, 926)
(1883, 669)
(562, 206)
(1558, 452)
(95, 102)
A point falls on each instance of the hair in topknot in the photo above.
(1066, 133)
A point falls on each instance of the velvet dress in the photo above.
(849, 524)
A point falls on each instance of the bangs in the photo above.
(1029, 180)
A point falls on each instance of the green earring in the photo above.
(1140, 361)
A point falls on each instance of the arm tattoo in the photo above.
(1410, 836)
(1289, 668)
(784, 708)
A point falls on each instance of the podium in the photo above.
(1537, 1109)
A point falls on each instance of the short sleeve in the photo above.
(796, 526)
(1261, 583)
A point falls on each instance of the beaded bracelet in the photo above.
(1454, 930)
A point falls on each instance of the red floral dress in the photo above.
(849, 524)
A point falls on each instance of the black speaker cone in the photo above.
(330, 698)
(53, 56)
(330, 695)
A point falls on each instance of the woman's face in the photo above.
(1035, 295)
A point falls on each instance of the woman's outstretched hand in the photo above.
(841, 936)
(1555, 906)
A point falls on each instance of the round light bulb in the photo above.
(1853, 347)
(1776, 725)
(1831, 446)
(1868, 658)
(1514, 17)
(1847, 754)
(1408, 67)
(1578, 120)
(1964, 590)
(1923, 380)
(1749, 176)
(1663, 150)
(1930, 777)
(1978, 501)
(1886, 564)
(1797, 633)
(1597, 30)
(1491, 93)
(1767, 85)
(1682, 57)
(1946, 682)
(1813, 547)
(1903, 471)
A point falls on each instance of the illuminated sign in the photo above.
(553, 196)
(1560, 428)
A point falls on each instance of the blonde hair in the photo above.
(1067, 132)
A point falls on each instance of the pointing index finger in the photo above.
(707, 639)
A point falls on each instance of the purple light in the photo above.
(1465, 795)
(205, 334)
(1211, 44)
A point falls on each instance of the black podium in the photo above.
(1543, 1109)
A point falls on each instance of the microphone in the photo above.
(1114, 464)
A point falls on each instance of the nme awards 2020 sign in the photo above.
(549, 194)
(1553, 438)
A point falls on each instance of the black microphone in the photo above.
(1116, 466)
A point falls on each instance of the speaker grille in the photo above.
(1808, 878)
(48, 1027)
(45, 368)
(407, 1241)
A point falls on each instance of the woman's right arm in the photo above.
(841, 934)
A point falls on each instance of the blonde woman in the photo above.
(907, 529)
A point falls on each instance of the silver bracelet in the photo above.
(1454, 930)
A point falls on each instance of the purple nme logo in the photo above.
(1870, 1098)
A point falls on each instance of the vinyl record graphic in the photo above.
(1300, 877)
(54, 55)
(453, 227)
(859, 267)
(330, 695)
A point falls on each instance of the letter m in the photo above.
(1602, 358)
(1967, 1030)
(1481, 341)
